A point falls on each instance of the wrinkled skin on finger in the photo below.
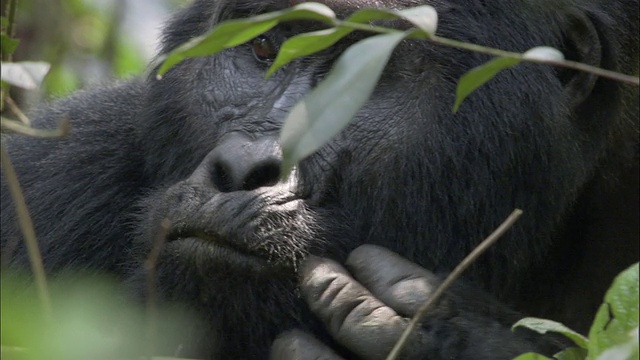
(367, 308)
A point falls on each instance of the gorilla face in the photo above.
(407, 173)
(394, 173)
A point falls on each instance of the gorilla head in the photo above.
(201, 150)
(407, 174)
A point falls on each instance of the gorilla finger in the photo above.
(354, 317)
(298, 345)
(396, 281)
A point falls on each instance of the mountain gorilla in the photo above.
(200, 148)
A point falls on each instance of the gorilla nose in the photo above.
(241, 163)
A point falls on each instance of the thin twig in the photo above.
(28, 232)
(150, 267)
(16, 110)
(628, 79)
(17, 127)
(574, 65)
(453, 276)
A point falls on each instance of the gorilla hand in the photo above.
(367, 309)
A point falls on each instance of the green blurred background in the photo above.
(86, 42)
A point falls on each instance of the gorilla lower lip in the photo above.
(217, 242)
(216, 254)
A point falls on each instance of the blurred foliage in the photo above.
(90, 320)
(85, 41)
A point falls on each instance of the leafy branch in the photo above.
(319, 116)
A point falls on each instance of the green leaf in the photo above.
(542, 326)
(531, 356)
(572, 353)
(424, 18)
(476, 77)
(306, 11)
(306, 44)
(365, 16)
(26, 74)
(618, 315)
(238, 31)
(627, 350)
(326, 110)
(8, 44)
(543, 53)
(224, 36)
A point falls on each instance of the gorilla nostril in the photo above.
(264, 174)
(221, 177)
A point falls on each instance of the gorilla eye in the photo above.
(264, 49)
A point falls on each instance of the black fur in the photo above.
(408, 174)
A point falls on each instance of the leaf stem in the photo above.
(633, 80)
(418, 34)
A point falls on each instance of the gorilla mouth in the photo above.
(210, 239)
(264, 228)
(219, 250)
